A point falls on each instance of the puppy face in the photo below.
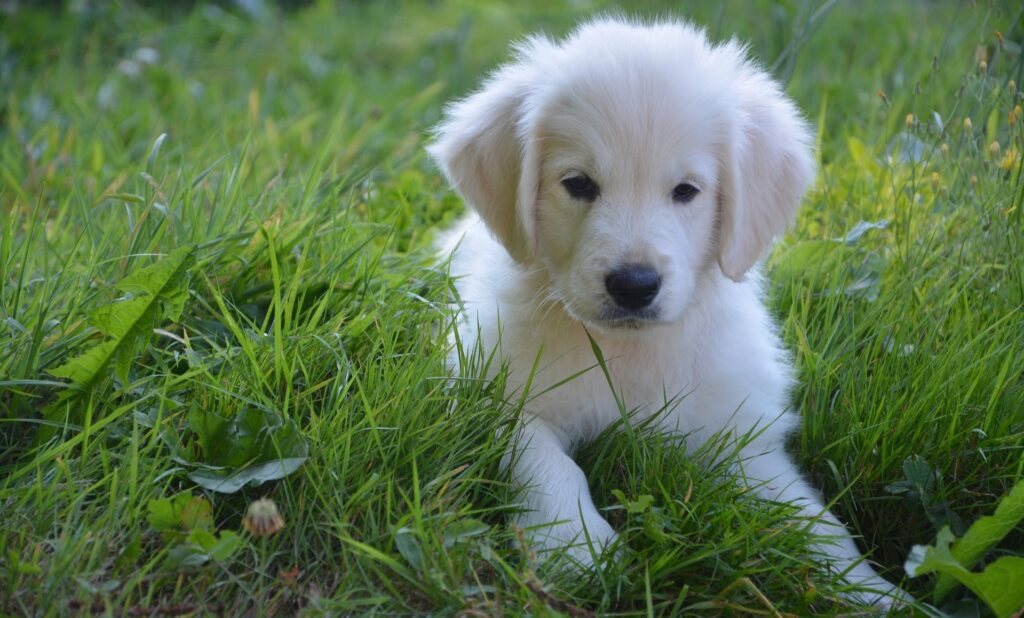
(629, 162)
(626, 212)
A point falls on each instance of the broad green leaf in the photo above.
(919, 479)
(196, 513)
(227, 544)
(921, 482)
(463, 529)
(212, 431)
(117, 319)
(188, 521)
(254, 447)
(186, 555)
(998, 585)
(83, 369)
(164, 279)
(654, 527)
(409, 546)
(254, 435)
(984, 534)
(204, 539)
(219, 547)
(180, 514)
(162, 515)
(130, 323)
(254, 475)
(641, 504)
(991, 529)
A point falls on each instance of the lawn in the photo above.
(218, 286)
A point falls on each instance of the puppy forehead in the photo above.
(656, 98)
(653, 143)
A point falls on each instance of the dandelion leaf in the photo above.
(158, 293)
(984, 534)
(998, 585)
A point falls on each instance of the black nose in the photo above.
(633, 286)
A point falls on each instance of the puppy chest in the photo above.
(575, 392)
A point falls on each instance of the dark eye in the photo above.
(684, 192)
(581, 188)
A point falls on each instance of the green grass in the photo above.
(293, 163)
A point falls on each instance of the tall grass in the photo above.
(285, 147)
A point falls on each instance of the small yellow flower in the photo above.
(262, 518)
(909, 120)
(968, 125)
(1010, 160)
(1014, 114)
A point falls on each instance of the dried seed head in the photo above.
(968, 125)
(974, 180)
(262, 518)
(289, 576)
(909, 120)
(944, 149)
(936, 179)
(1012, 85)
(993, 149)
(983, 66)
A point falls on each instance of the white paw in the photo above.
(583, 540)
(877, 592)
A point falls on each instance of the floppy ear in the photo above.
(767, 167)
(487, 152)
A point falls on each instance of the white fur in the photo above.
(639, 108)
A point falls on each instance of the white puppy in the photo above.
(626, 181)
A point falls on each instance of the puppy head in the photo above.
(629, 161)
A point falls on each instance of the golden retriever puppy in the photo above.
(625, 182)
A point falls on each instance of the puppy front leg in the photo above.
(559, 512)
(771, 473)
